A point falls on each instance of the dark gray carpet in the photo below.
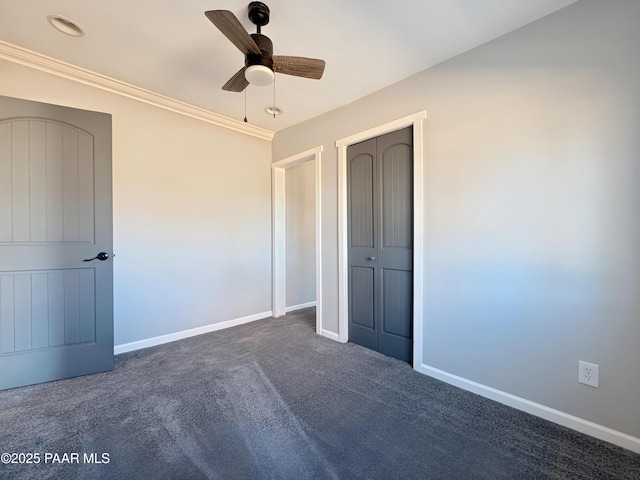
(272, 400)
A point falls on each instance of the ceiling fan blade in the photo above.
(299, 66)
(237, 83)
(231, 28)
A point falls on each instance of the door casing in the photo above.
(417, 122)
(279, 232)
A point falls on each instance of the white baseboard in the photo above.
(330, 335)
(293, 308)
(325, 333)
(172, 337)
(576, 423)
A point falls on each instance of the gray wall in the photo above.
(300, 248)
(532, 258)
(192, 211)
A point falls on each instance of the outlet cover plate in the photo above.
(588, 373)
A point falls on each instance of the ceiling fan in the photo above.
(260, 64)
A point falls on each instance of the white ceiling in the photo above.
(169, 47)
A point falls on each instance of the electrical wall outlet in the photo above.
(588, 373)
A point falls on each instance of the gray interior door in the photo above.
(56, 310)
(380, 218)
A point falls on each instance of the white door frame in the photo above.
(279, 231)
(416, 121)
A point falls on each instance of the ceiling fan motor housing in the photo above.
(266, 47)
(258, 14)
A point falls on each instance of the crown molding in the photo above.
(44, 63)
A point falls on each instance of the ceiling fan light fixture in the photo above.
(259, 75)
(66, 25)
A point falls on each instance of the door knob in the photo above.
(102, 256)
(372, 258)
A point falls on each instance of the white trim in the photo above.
(318, 212)
(416, 121)
(298, 158)
(37, 61)
(172, 337)
(279, 255)
(330, 335)
(293, 308)
(576, 423)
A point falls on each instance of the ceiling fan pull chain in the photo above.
(274, 96)
(245, 105)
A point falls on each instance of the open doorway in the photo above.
(300, 237)
(279, 190)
